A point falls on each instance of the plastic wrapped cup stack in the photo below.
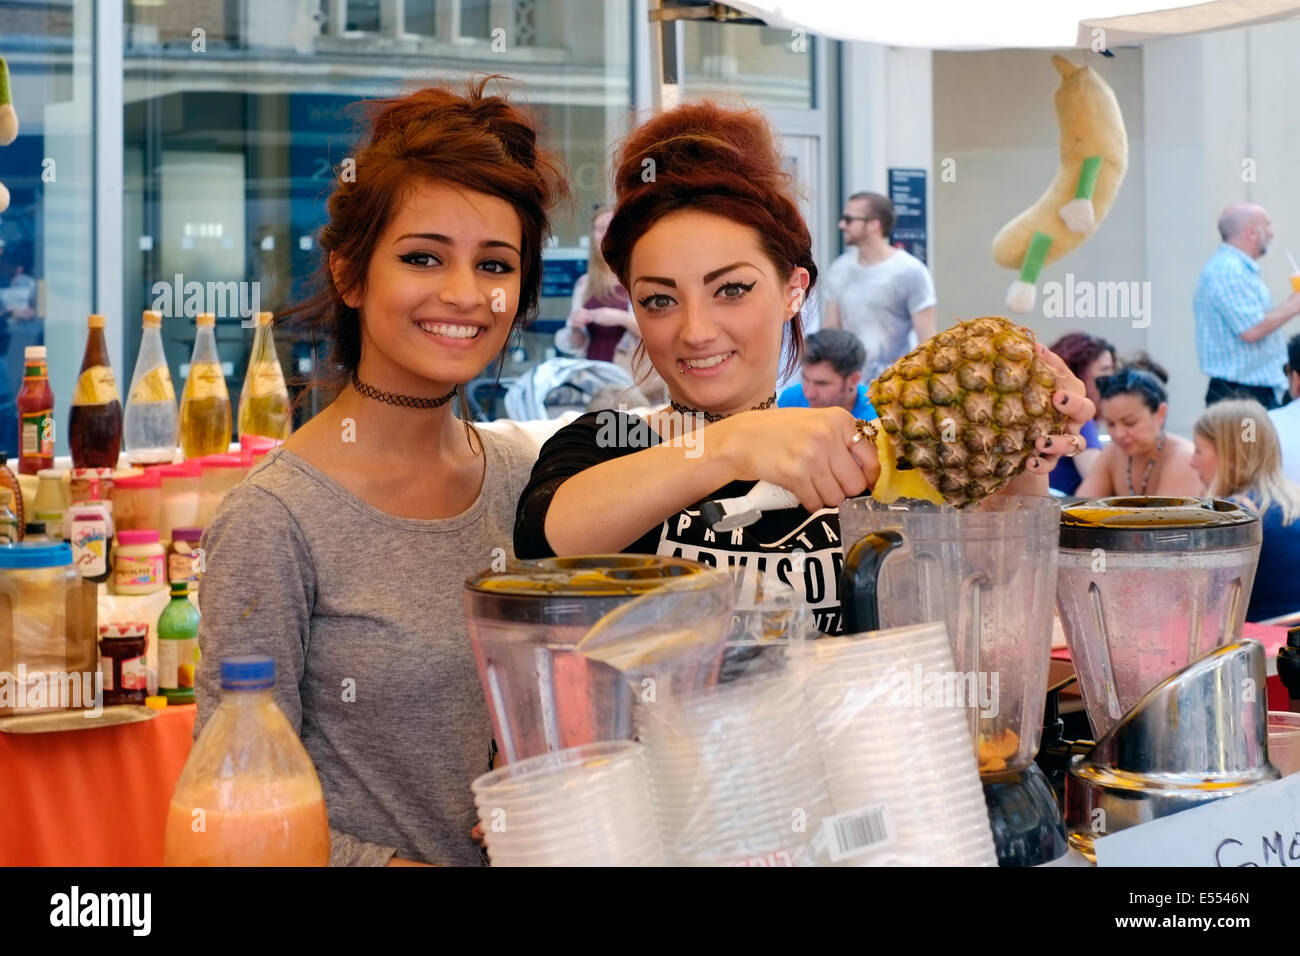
(903, 781)
(585, 806)
(737, 778)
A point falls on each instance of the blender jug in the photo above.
(989, 575)
(526, 623)
(1146, 586)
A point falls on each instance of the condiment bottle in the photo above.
(205, 403)
(91, 535)
(51, 498)
(151, 417)
(178, 646)
(264, 399)
(184, 561)
(10, 529)
(53, 524)
(35, 414)
(95, 422)
(9, 480)
(122, 662)
(139, 562)
(261, 799)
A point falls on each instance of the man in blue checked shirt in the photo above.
(1238, 332)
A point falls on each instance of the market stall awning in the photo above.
(1001, 24)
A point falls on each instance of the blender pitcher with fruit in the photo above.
(990, 575)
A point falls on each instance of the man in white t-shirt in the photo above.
(879, 293)
(1287, 418)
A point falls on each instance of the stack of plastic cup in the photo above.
(585, 806)
(896, 746)
(736, 775)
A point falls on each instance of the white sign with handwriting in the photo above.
(1260, 827)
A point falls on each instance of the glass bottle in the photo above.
(9, 480)
(264, 400)
(35, 414)
(9, 526)
(150, 424)
(178, 646)
(95, 422)
(205, 403)
(248, 772)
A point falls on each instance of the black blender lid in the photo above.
(1158, 524)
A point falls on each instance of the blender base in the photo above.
(1028, 828)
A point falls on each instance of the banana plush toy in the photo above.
(8, 123)
(1094, 157)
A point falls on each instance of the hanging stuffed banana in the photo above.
(1094, 157)
(8, 123)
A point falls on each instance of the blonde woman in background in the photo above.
(1238, 456)
(601, 325)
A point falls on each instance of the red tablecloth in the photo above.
(94, 797)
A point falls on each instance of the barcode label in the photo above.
(857, 831)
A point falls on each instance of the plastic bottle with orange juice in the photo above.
(249, 795)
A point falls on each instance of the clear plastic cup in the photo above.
(585, 806)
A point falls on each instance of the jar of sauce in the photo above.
(122, 662)
(138, 562)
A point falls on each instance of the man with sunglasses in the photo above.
(1287, 418)
(875, 291)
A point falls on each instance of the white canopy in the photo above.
(1001, 24)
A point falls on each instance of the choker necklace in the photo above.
(1160, 444)
(710, 417)
(405, 401)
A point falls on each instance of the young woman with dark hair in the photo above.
(1089, 358)
(343, 555)
(1141, 458)
(709, 242)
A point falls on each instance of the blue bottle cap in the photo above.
(255, 672)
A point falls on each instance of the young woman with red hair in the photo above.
(343, 555)
(710, 244)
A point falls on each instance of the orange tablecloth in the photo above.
(91, 797)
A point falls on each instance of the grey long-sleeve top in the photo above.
(362, 612)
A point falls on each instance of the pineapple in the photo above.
(960, 413)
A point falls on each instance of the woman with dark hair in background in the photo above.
(1238, 456)
(343, 555)
(1089, 358)
(1141, 458)
(718, 261)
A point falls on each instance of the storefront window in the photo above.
(46, 243)
(763, 66)
(236, 119)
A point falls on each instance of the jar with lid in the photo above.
(139, 562)
(184, 561)
(51, 498)
(89, 484)
(122, 662)
(180, 497)
(137, 501)
(44, 626)
(54, 524)
(9, 480)
(220, 474)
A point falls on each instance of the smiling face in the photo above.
(710, 306)
(441, 290)
(1205, 459)
(1132, 426)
